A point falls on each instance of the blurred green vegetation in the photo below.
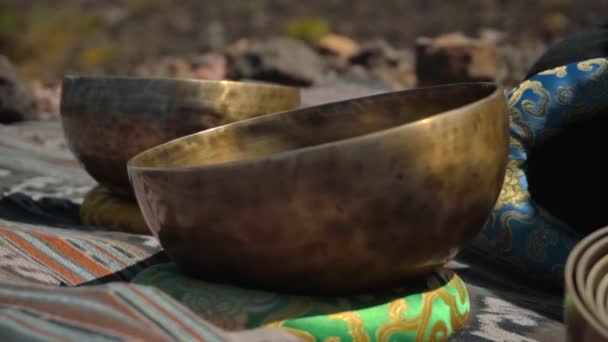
(43, 40)
(50, 40)
(309, 29)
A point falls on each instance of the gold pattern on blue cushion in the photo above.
(520, 235)
(512, 192)
(578, 107)
(519, 128)
(539, 242)
(560, 72)
(588, 65)
(566, 95)
(515, 144)
(535, 106)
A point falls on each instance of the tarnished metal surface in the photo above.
(107, 120)
(341, 197)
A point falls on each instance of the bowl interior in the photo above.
(581, 262)
(601, 298)
(588, 260)
(99, 90)
(308, 127)
(597, 272)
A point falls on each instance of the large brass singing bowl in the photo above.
(108, 120)
(343, 197)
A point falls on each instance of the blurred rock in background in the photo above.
(455, 58)
(47, 95)
(47, 39)
(279, 59)
(340, 46)
(386, 63)
(16, 98)
(204, 66)
(398, 45)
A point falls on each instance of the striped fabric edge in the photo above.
(72, 257)
(116, 311)
(111, 312)
(17, 266)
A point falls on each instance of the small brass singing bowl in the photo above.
(338, 198)
(586, 295)
(108, 120)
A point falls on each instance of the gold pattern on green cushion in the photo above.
(429, 309)
(102, 208)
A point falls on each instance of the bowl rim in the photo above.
(496, 93)
(572, 290)
(601, 264)
(603, 285)
(93, 79)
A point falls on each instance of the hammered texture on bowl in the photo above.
(107, 119)
(394, 184)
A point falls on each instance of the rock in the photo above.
(358, 72)
(336, 64)
(338, 45)
(493, 35)
(48, 99)
(384, 63)
(376, 53)
(165, 67)
(280, 60)
(239, 47)
(397, 78)
(453, 58)
(180, 68)
(210, 66)
(16, 98)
